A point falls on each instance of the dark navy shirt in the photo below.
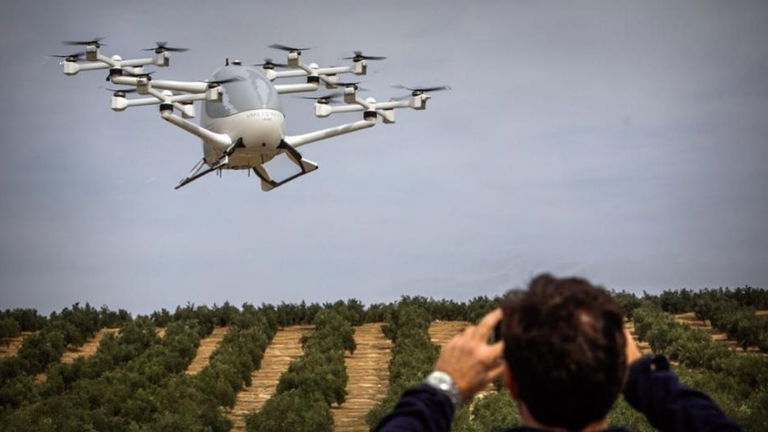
(651, 388)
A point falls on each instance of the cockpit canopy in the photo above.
(248, 90)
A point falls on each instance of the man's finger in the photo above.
(485, 326)
(495, 372)
(496, 350)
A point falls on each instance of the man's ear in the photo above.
(509, 381)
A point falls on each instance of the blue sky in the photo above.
(621, 141)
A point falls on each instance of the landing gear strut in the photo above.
(200, 169)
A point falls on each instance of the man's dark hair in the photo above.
(564, 344)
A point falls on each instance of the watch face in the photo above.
(443, 382)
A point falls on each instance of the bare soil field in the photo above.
(642, 345)
(282, 350)
(88, 348)
(690, 319)
(13, 345)
(442, 331)
(207, 346)
(368, 373)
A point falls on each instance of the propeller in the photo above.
(71, 57)
(327, 98)
(360, 56)
(95, 42)
(351, 84)
(161, 47)
(212, 83)
(269, 64)
(287, 48)
(147, 75)
(415, 91)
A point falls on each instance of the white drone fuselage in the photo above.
(242, 122)
(249, 110)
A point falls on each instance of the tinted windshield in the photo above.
(250, 91)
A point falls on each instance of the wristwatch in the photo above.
(445, 384)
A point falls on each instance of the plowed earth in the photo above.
(88, 348)
(642, 345)
(716, 334)
(207, 346)
(368, 373)
(282, 350)
(12, 347)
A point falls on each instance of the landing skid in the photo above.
(267, 183)
(307, 166)
(200, 169)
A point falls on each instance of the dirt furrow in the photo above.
(690, 319)
(442, 331)
(207, 346)
(368, 373)
(642, 345)
(88, 348)
(12, 347)
(282, 350)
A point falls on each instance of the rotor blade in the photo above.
(138, 74)
(328, 97)
(95, 41)
(224, 81)
(286, 48)
(360, 56)
(422, 89)
(163, 46)
(269, 62)
(77, 55)
(130, 90)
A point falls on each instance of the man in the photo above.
(565, 358)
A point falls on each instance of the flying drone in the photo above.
(242, 123)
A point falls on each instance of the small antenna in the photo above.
(226, 62)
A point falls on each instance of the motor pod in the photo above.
(166, 109)
(161, 59)
(360, 67)
(119, 102)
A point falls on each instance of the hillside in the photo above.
(217, 366)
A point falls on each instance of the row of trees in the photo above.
(136, 379)
(739, 382)
(684, 300)
(412, 354)
(313, 382)
(200, 397)
(68, 328)
(115, 399)
(732, 311)
(15, 321)
(739, 322)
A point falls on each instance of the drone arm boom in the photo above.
(289, 73)
(295, 88)
(300, 140)
(334, 70)
(221, 140)
(137, 62)
(184, 86)
(393, 104)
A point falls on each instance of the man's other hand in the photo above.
(468, 358)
